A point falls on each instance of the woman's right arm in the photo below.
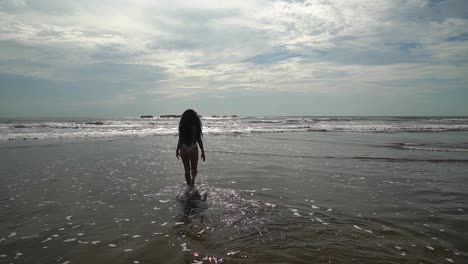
(179, 144)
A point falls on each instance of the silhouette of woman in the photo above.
(190, 133)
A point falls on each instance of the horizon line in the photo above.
(227, 116)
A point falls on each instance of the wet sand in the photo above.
(270, 198)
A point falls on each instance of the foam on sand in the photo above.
(429, 247)
(357, 227)
(184, 247)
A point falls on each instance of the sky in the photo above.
(118, 58)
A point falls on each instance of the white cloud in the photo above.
(203, 46)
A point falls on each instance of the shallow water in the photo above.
(270, 198)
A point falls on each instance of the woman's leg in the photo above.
(186, 161)
(194, 165)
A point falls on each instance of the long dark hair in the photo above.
(188, 120)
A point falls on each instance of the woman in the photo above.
(190, 133)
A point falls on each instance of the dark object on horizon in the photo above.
(146, 116)
(170, 116)
(223, 116)
(97, 123)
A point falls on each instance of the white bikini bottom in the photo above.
(189, 147)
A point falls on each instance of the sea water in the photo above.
(272, 190)
(76, 128)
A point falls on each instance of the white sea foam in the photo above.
(295, 212)
(68, 129)
(26, 237)
(359, 228)
(320, 221)
(184, 247)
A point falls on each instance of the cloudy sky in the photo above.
(257, 57)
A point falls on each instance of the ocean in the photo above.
(83, 128)
(273, 190)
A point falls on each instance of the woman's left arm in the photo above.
(200, 143)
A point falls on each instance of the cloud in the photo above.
(207, 47)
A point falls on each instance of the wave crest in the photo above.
(135, 127)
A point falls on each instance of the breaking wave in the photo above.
(136, 127)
